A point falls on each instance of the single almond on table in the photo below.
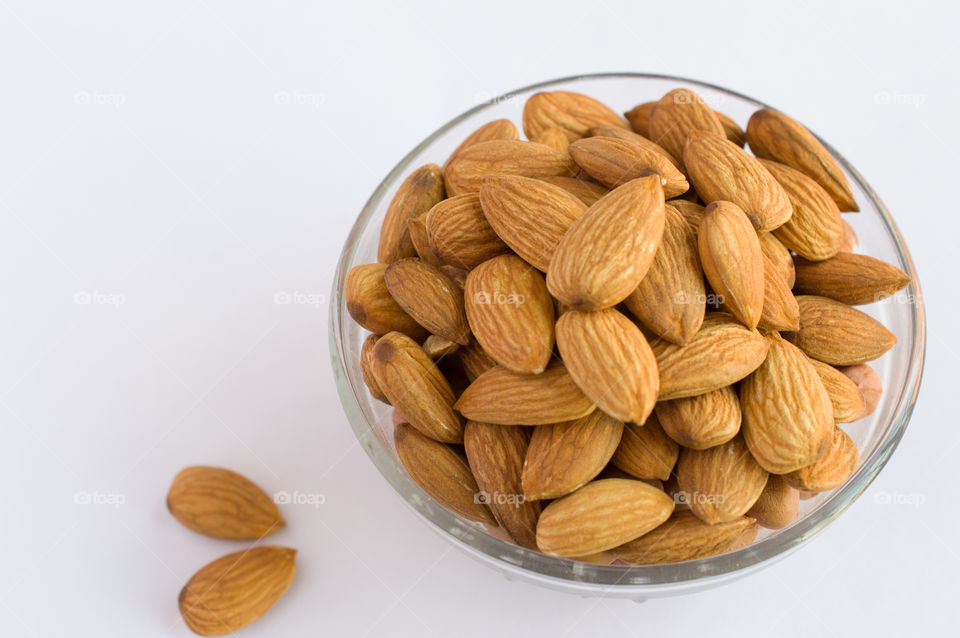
(496, 454)
(835, 333)
(366, 368)
(845, 397)
(685, 537)
(815, 229)
(460, 234)
(615, 161)
(721, 482)
(223, 504)
(787, 415)
(639, 118)
(442, 473)
(676, 115)
(573, 113)
(417, 194)
(778, 504)
(510, 313)
(600, 516)
(563, 457)
(495, 130)
(430, 297)
(780, 308)
(869, 384)
(237, 589)
(611, 362)
(780, 258)
(467, 170)
(584, 189)
(415, 386)
(507, 398)
(370, 304)
(645, 451)
(607, 250)
(702, 421)
(722, 171)
(850, 278)
(831, 469)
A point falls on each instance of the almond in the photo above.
(691, 211)
(421, 241)
(780, 308)
(787, 415)
(222, 504)
(722, 353)
(610, 360)
(366, 368)
(722, 171)
(639, 118)
(685, 537)
(722, 482)
(529, 215)
(370, 304)
(731, 129)
(475, 361)
(555, 138)
(850, 239)
(586, 190)
(607, 250)
(460, 234)
(504, 157)
(702, 421)
(416, 195)
(430, 297)
(835, 333)
(507, 398)
(415, 386)
(495, 130)
(496, 454)
(630, 136)
(600, 516)
(455, 273)
(780, 258)
(778, 504)
(815, 229)
(775, 136)
(645, 451)
(676, 115)
(869, 384)
(511, 313)
(438, 347)
(237, 589)
(845, 397)
(615, 161)
(671, 299)
(564, 457)
(850, 278)
(831, 469)
(732, 260)
(442, 473)
(573, 113)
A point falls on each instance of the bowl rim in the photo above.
(638, 579)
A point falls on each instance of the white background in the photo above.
(156, 195)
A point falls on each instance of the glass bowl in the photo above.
(876, 436)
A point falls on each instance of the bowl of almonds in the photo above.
(626, 334)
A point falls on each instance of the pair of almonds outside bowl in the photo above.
(237, 589)
(625, 340)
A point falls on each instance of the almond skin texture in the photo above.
(600, 516)
(564, 457)
(691, 211)
(835, 333)
(496, 454)
(416, 195)
(430, 297)
(775, 136)
(777, 506)
(586, 190)
(421, 241)
(416, 387)
(845, 397)
(370, 304)
(495, 130)
(475, 361)
(671, 298)
(459, 232)
(686, 537)
(722, 171)
(850, 278)
(645, 451)
(630, 136)
(607, 250)
(610, 360)
(869, 384)
(787, 415)
(529, 215)
(780, 308)
(504, 157)
(573, 113)
(721, 353)
(507, 398)
(511, 313)
(237, 589)
(676, 115)
(722, 482)
(639, 118)
(702, 421)
(731, 129)
(831, 469)
(615, 161)
(555, 138)
(222, 504)
(779, 256)
(366, 368)
(815, 229)
(732, 260)
(438, 347)
(442, 473)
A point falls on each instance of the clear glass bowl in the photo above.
(876, 436)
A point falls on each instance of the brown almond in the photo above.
(495, 130)
(586, 190)
(835, 333)
(850, 239)
(815, 229)
(371, 305)
(722, 482)
(366, 368)
(778, 504)
(615, 161)
(417, 194)
(555, 138)
(430, 297)
(869, 384)
(780, 309)
(831, 469)
(460, 234)
(630, 136)
(731, 129)
(564, 457)
(439, 347)
(645, 451)
(639, 118)
(845, 397)
(466, 172)
(850, 278)
(691, 211)
(417, 227)
(779, 256)
(676, 115)
(474, 360)
(702, 421)
(685, 537)
(573, 113)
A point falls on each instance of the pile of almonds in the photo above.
(624, 341)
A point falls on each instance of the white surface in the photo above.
(179, 164)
